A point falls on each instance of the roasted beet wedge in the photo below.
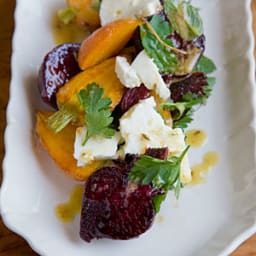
(160, 153)
(114, 207)
(59, 66)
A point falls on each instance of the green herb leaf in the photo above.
(163, 57)
(180, 107)
(205, 65)
(97, 112)
(178, 188)
(208, 89)
(182, 111)
(157, 201)
(184, 18)
(66, 15)
(185, 120)
(162, 174)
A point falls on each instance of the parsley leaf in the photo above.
(185, 120)
(184, 18)
(182, 111)
(162, 55)
(205, 65)
(157, 201)
(97, 112)
(179, 107)
(162, 174)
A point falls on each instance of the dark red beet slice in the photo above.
(115, 208)
(133, 96)
(195, 84)
(59, 66)
(127, 163)
(160, 153)
(179, 43)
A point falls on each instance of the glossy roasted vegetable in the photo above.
(58, 67)
(70, 109)
(60, 148)
(106, 42)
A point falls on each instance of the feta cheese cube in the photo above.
(95, 148)
(126, 73)
(142, 127)
(149, 75)
(111, 10)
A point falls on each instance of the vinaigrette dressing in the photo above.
(67, 33)
(160, 218)
(199, 171)
(66, 212)
(196, 138)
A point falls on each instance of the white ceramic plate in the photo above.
(211, 219)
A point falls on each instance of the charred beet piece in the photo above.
(160, 153)
(115, 208)
(194, 84)
(127, 163)
(130, 98)
(133, 96)
(59, 66)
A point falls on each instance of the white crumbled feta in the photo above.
(111, 10)
(126, 73)
(150, 9)
(95, 148)
(142, 127)
(149, 75)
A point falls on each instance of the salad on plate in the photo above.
(121, 101)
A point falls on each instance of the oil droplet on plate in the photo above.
(160, 218)
(196, 138)
(66, 33)
(199, 171)
(66, 212)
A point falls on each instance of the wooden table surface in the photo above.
(10, 243)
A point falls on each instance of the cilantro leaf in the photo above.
(184, 18)
(163, 56)
(205, 65)
(97, 112)
(162, 174)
